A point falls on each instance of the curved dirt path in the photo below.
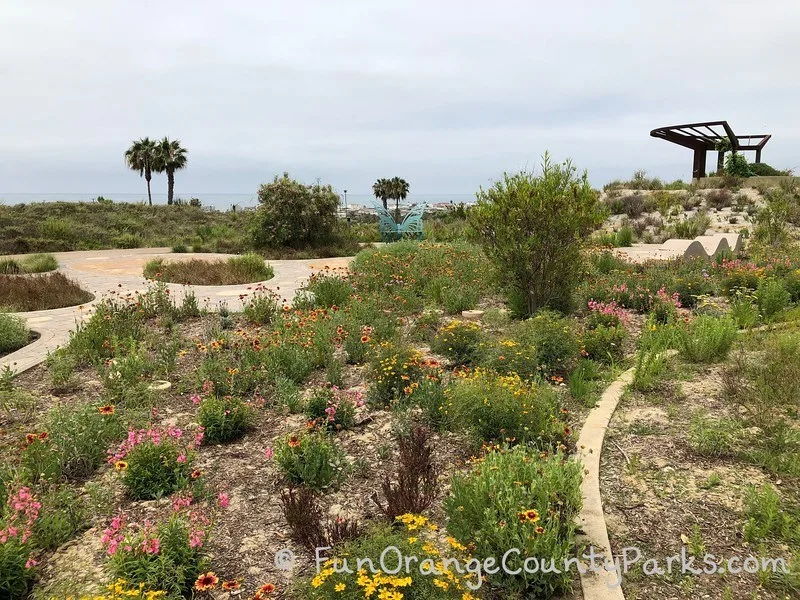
(102, 272)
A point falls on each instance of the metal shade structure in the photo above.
(703, 138)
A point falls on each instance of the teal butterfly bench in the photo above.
(391, 230)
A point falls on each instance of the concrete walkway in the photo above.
(102, 272)
(598, 585)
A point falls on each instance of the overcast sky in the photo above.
(446, 94)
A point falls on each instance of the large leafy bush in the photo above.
(532, 227)
(294, 214)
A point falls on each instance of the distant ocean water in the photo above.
(218, 201)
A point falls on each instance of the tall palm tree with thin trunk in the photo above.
(170, 157)
(381, 190)
(141, 156)
(399, 191)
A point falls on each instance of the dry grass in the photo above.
(23, 293)
(248, 268)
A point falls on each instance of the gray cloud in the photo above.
(446, 94)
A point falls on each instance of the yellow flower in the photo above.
(339, 587)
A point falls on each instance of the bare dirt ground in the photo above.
(660, 496)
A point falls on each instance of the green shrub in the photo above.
(458, 298)
(287, 395)
(250, 267)
(707, 339)
(330, 289)
(95, 340)
(624, 237)
(691, 227)
(719, 199)
(714, 438)
(38, 263)
(771, 230)
(288, 360)
(651, 355)
(61, 367)
(124, 377)
(461, 341)
(431, 398)
(334, 371)
(357, 347)
(581, 380)
(63, 514)
(174, 568)
(768, 517)
(425, 327)
(743, 310)
(189, 307)
(157, 465)
(504, 407)
(772, 297)
(792, 282)
(393, 371)
(313, 459)
(9, 266)
(332, 408)
(295, 215)
(690, 286)
(72, 443)
(664, 306)
(224, 419)
(128, 240)
(16, 576)
(14, 333)
(605, 262)
(262, 307)
(517, 499)
(58, 229)
(532, 228)
(550, 338)
(765, 170)
(180, 249)
(603, 343)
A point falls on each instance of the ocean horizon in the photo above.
(218, 201)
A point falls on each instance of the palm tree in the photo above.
(399, 191)
(382, 190)
(141, 156)
(170, 157)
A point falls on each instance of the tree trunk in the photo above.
(149, 195)
(170, 185)
(385, 205)
(397, 210)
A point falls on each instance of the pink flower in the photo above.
(331, 412)
(224, 500)
(181, 502)
(31, 562)
(269, 453)
(181, 458)
(195, 399)
(151, 546)
(199, 435)
(196, 538)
